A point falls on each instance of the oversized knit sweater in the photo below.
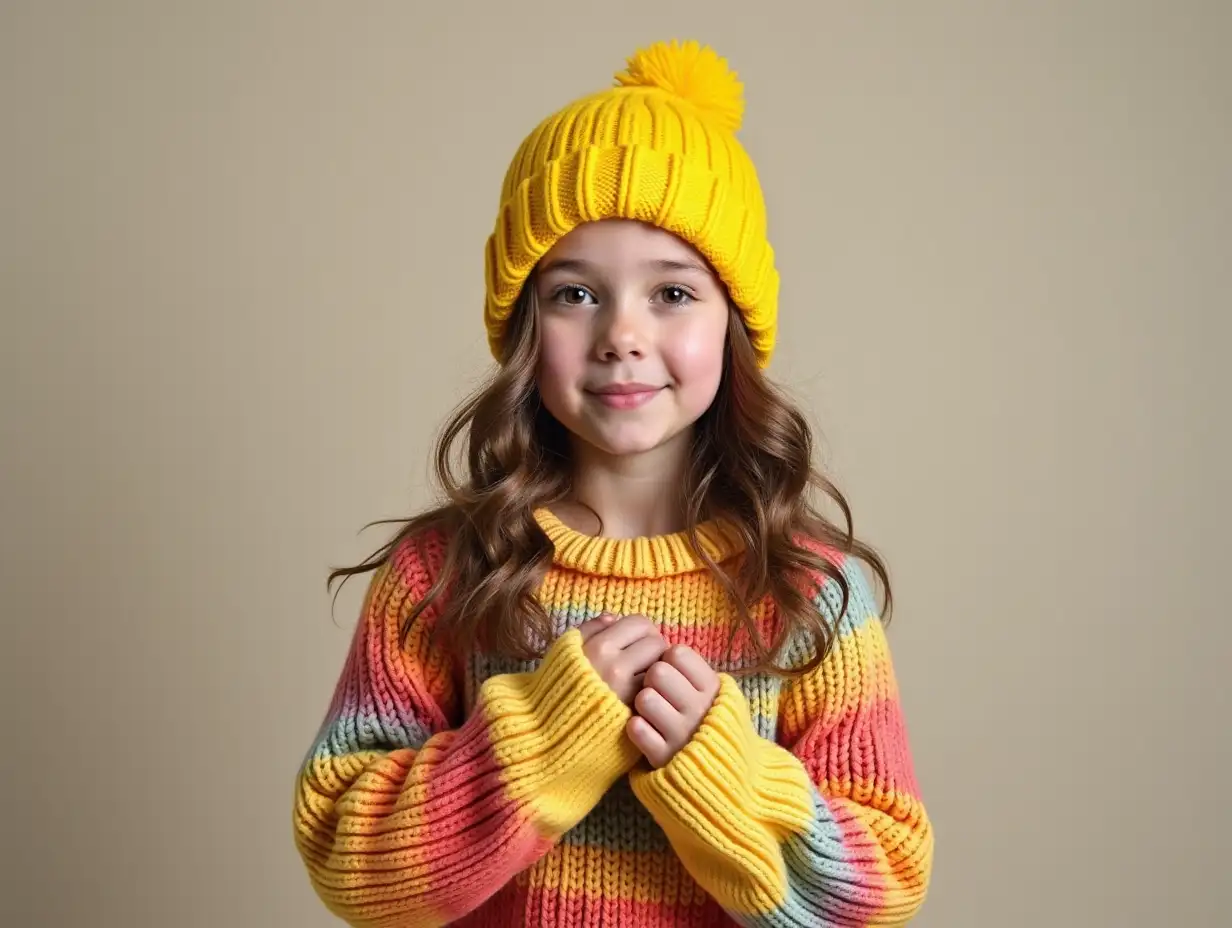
(491, 792)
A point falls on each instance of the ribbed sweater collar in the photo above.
(644, 558)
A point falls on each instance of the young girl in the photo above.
(626, 675)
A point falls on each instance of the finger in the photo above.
(672, 685)
(694, 667)
(626, 630)
(655, 709)
(648, 741)
(638, 657)
(593, 626)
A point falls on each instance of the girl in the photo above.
(626, 675)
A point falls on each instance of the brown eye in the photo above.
(573, 296)
(676, 296)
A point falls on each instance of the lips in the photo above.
(625, 395)
(619, 389)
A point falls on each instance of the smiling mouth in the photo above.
(626, 396)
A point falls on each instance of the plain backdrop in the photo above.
(241, 270)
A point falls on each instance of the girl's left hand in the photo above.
(677, 693)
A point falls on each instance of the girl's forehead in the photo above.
(621, 243)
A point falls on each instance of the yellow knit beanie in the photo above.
(660, 146)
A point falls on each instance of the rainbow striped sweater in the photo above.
(491, 792)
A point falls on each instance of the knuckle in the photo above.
(656, 674)
(605, 648)
(600, 658)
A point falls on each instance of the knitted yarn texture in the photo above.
(660, 147)
(496, 793)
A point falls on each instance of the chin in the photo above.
(630, 441)
(627, 449)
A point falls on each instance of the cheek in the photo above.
(561, 363)
(695, 361)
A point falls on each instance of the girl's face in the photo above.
(632, 329)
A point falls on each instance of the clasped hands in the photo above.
(669, 688)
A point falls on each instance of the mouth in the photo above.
(625, 395)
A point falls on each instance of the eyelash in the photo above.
(687, 295)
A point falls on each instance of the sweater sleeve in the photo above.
(406, 815)
(825, 825)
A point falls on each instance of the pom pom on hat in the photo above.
(692, 72)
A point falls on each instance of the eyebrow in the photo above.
(582, 266)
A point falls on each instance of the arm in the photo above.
(404, 817)
(825, 827)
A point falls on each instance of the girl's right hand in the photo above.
(621, 650)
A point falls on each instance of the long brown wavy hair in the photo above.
(751, 466)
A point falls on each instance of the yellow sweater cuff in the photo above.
(727, 801)
(558, 734)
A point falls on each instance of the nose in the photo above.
(622, 333)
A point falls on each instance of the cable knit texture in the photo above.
(660, 147)
(498, 793)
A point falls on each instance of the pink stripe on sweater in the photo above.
(480, 839)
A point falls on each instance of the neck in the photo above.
(634, 495)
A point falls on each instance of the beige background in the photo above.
(241, 287)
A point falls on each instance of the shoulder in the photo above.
(417, 557)
(394, 642)
(843, 594)
(412, 562)
(842, 590)
(402, 605)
